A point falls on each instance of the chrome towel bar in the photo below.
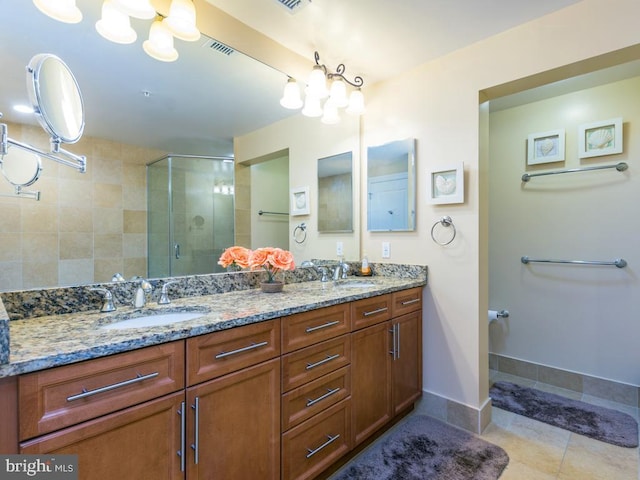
(621, 167)
(618, 262)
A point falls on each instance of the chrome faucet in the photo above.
(144, 287)
(107, 299)
(340, 271)
(164, 295)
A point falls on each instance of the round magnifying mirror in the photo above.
(20, 167)
(56, 97)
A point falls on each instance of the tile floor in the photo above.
(538, 451)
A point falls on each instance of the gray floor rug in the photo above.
(425, 448)
(601, 423)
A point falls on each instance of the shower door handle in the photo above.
(176, 250)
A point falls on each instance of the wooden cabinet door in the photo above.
(407, 361)
(139, 442)
(238, 425)
(370, 380)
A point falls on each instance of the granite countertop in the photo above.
(48, 341)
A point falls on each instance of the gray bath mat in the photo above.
(425, 448)
(601, 423)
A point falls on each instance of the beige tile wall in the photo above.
(86, 226)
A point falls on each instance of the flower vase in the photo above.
(271, 287)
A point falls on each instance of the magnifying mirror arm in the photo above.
(79, 162)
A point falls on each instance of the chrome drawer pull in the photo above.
(373, 312)
(320, 327)
(409, 302)
(328, 442)
(321, 362)
(88, 393)
(322, 397)
(196, 431)
(183, 421)
(253, 346)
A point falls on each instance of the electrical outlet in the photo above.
(339, 249)
(386, 250)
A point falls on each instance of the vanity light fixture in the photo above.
(62, 10)
(316, 90)
(115, 24)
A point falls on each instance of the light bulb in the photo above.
(182, 20)
(291, 96)
(136, 8)
(160, 43)
(338, 93)
(312, 106)
(317, 83)
(356, 103)
(62, 10)
(115, 25)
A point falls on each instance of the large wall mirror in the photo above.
(335, 193)
(391, 187)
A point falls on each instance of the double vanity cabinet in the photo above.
(279, 399)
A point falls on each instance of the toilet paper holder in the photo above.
(495, 314)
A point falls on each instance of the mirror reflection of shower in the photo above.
(190, 203)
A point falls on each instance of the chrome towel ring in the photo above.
(300, 230)
(447, 223)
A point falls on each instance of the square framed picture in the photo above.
(446, 185)
(545, 147)
(600, 138)
(300, 201)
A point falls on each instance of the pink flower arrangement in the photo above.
(272, 259)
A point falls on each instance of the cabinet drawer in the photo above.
(313, 362)
(304, 329)
(314, 445)
(63, 396)
(219, 353)
(370, 311)
(311, 398)
(406, 301)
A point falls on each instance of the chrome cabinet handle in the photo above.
(176, 250)
(322, 397)
(393, 341)
(253, 346)
(88, 393)
(328, 442)
(320, 327)
(409, 302)
(373, 312)
(183, 425)
(322, 362)
(398, 340)
(195, 446)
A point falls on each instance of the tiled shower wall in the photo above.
(86, 226)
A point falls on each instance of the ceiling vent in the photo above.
(218, 47)
(294, 6)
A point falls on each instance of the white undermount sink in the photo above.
(354, 284)
(153, 320)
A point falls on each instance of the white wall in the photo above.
(270, 192)
(580, 318)
(438, 104)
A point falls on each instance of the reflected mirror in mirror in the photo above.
(335, 193)
(391, 187)
(56, 98)
(20, 167)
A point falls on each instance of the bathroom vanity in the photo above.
(269, 386)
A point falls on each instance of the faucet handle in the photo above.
(164, 295)
(107, 299)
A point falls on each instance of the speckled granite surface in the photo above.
(46, 341)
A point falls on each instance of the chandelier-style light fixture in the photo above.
(317, 91)
(115, 23)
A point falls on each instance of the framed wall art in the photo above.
(600, 138)
(446, 185)
(545, 147)
(300, 201)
